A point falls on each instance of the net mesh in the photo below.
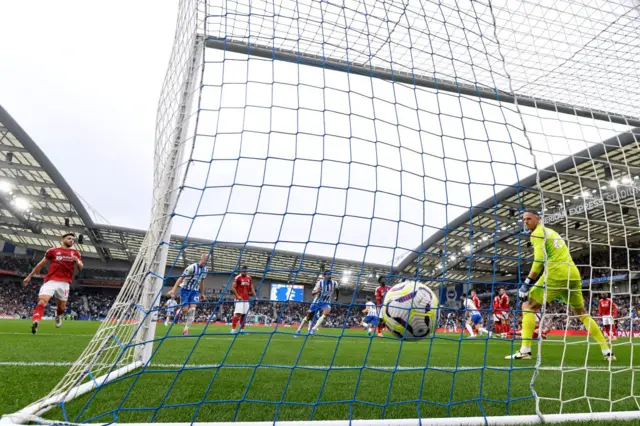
(378, 138)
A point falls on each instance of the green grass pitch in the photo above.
(250, 377)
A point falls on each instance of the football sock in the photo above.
(191, 314)
(319, 322)
(38, 312)
(59, 312)
(304, 321)
(528, 325)
(242, 323)
(595, 332)
(234, 322)
(470, 330)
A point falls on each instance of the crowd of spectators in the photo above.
(18, 301)
(92, 303)
(23, 265)
(267, 312)
(558, 315)
(603, 263)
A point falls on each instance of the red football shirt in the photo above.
(476, 301)
(381, 291)
(496, 303)
(504, 302)
(62, 264)
(604, 307)
(243, 286)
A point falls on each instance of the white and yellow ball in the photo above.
(409, 310)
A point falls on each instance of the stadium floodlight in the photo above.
(613, 183)
(371, 131)
(5, 186)
(626, 180)
(21, 204)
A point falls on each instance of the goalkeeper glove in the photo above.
(523, 292)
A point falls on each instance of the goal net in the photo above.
(372, 139)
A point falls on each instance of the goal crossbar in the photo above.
(274, 53)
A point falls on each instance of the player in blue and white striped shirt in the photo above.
(170, 306)
(191, 285)
(323, 291)
(370, 321)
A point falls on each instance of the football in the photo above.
(409, 310)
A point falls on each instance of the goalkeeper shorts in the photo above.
(569, 291)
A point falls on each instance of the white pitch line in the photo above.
(322, 367)
(342, 339)
(46, 334)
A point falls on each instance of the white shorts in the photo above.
(242, 307)
(607, 320)
(60, 289)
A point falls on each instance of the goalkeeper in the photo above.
(563, 280)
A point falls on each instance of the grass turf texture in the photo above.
(250, 377)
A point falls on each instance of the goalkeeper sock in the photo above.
(528, 325)
(595, 332)
(483, 330)
(319, 322)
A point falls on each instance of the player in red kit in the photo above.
(497, 317)
(605, 308)
(381, 291)
(504, 310)
(242, 288)
(537, 332)
(63, 261)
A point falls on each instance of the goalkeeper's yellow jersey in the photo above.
(560, 266)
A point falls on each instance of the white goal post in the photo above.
(431, 72)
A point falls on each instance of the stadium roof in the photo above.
(590, 198)
(37, 206)
(483, 245)
(36, 203)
